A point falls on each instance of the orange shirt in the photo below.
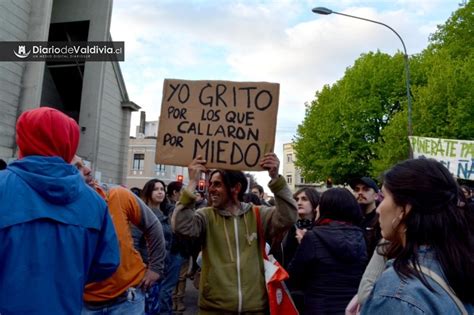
(124, 209)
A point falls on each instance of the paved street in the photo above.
(190, 300)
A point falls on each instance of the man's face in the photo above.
(305, 208)
(218, 192)
(256, 192)
(364, 194)
(198, 196)
(175, 195)
(83, 169)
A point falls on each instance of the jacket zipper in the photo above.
(239, 285)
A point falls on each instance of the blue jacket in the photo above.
(55, 236)
(392, 295)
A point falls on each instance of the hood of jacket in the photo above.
(46, 131)
(343, 241)
(53, 179)
(244, 208)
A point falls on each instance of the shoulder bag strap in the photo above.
(261, 238)
(445, 286)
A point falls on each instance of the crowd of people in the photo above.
(70, 245)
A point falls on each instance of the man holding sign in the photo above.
(232, 277)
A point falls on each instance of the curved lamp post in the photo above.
(326, 11)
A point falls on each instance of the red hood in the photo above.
(46, 131)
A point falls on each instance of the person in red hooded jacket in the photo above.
(56, 234)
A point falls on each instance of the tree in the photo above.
(359, 125)
(442, 81)
(448, 97)
(393, 145)
(457, 34)
(343, 124)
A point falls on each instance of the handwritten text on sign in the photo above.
(230, 124)
(456, 155)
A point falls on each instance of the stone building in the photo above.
(141, 158)
(292, 174)
(93, 93)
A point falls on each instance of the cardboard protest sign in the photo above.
(456, 155)
(230, 124)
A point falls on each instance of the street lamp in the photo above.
(326, 11)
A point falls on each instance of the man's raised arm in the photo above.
(283, 215)
(185, 220)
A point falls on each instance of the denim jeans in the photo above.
(152, 299)
(134, 305)
(169, 283)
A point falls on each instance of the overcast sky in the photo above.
(275, 41)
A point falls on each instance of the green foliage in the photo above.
(445, 105)
(393, 146)
(342, 126)
(358, 126)
(457, 34)
(446, 101)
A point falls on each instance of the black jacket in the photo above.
(284, 250)
(139, 237)
(328, 266)
(372, 233)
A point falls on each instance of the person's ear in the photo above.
(405, 210)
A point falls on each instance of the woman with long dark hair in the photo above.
(431, 266)
(154, 196)
(332, 256)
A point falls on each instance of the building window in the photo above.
(63, 80)
(289, 158)
(302, 180)
(138, 161)
(289, 179)
(160, 168)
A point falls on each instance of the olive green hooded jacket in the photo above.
(232, 276)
